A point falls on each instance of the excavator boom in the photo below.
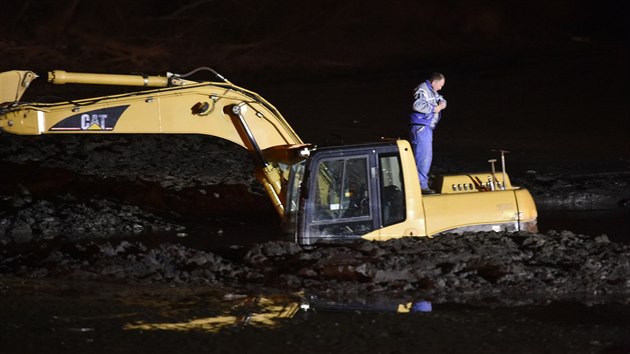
(178, 106)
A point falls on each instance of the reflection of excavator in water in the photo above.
(338, 193)
(272, 311)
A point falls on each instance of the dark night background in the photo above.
(243, 37)
(518, 72)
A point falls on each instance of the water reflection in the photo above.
(315, 303)
(255, 311)
(49, 315)
(270, 312)
(354, 304)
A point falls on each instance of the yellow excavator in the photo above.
(337, 193)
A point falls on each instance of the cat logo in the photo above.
(104, 119)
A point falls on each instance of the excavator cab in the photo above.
(344, 193)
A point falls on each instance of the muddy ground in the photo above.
(167, 243)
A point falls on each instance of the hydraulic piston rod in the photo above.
(63, 77)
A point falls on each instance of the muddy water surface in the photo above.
(70, 317)
(615, 223)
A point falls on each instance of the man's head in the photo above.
(437, 81)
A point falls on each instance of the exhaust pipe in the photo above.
(501, 185)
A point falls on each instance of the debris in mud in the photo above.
(507, 267)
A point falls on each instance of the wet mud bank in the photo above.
(510, 269)
(579, 191)
(81, 188)
(587, 203)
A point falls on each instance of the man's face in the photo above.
(438, 84)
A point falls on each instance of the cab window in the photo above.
(342, 189)
(392, 190)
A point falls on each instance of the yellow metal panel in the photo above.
(449, 211)
(484, 181)
(14, 83)
(415, 223)
(413, 194)
(169, 110)
(526, 205)
(410, 227)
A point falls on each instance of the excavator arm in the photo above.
(176, 106)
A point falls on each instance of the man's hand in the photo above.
(440, 107)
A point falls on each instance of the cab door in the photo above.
(339, 194)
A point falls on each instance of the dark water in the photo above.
(90, 317)
(615, 223)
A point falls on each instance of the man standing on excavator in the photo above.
(427, 107)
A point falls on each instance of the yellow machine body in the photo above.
(457, 209)
(173, 105)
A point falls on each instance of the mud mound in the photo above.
(71, 219)
(174, 161)
(513, 268)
